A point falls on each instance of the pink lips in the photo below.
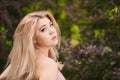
(54, 38)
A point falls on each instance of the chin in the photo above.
(53, 45)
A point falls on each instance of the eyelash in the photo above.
(42, 30)
(51, 24)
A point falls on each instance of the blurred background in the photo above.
(90, 43)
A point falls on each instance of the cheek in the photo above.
(41, 39)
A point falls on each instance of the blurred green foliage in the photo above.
(84, 24)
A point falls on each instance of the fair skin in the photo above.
(45, 38)
(46, 68)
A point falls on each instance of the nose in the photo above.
(51, 30)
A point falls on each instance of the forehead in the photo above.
(43, 21)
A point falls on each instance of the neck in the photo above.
(43, 50)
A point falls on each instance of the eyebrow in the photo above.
(45, 24)
(42, 26)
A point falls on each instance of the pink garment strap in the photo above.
(60, 76)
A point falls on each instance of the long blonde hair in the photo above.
(23, 56)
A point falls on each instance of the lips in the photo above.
(54, 38)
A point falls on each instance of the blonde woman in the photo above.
(34, 55)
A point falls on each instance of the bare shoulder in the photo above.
(43, 62)
(46, 69)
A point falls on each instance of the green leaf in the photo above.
(2, 28)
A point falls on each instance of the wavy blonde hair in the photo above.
(23, 56)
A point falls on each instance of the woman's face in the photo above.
(46, 35)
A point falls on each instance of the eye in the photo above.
(42, 30)
(51, 24)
